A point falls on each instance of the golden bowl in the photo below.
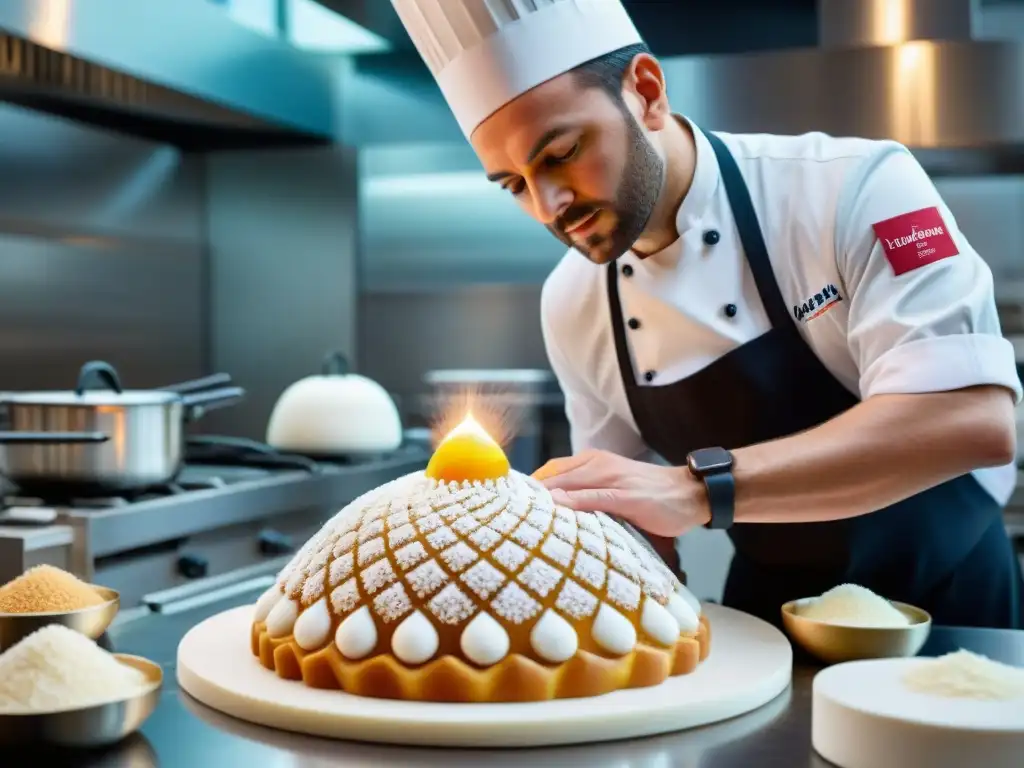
(98, 725)
(834, 643)
(91, 622)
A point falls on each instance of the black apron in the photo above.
(945, 550)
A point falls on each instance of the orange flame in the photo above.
(497, 414)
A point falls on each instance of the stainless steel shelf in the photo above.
(133, 526)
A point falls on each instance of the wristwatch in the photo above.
(714, 467)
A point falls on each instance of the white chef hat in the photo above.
(485, 53)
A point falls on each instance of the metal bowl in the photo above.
(99, 725)
(834, 643)
(91, 622)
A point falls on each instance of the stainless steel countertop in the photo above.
(183, 732)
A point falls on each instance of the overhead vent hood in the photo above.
(911, 70)
(178, 72)
(917, 71)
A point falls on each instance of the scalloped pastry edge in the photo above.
(449, 679)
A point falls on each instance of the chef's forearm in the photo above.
(884, 450)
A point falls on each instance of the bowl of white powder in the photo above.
(851, 622)
(58, 688)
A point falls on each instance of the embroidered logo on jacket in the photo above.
(915, 239)
(818, 304)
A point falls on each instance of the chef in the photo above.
(786, 338)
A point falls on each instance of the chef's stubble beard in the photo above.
(638, 192)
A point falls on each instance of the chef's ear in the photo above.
(646, 80)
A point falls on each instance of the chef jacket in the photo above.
(881, 316)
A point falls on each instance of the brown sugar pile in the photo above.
(45, 589)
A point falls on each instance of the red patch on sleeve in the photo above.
(912, 240)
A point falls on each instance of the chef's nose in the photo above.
(551, 200)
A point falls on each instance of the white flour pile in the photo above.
(57, 668)
(854, 606)
(966, 675)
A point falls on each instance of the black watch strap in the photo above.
(721, 487)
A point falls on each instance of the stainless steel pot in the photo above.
(108, 439)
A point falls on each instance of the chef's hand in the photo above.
(663, 501)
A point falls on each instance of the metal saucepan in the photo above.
(109, 438)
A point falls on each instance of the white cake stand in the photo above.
(749, 665)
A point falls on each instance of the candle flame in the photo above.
(469, 426)
(493, 413)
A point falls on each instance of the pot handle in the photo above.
(335, 364)
(198, 385)
(238, 443)
(97, 370)
(51, 438)
(196, 404)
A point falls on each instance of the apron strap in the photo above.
(626, 369)
(750, 234)
(664, 547)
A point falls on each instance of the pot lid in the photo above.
(98, 385)
(91, 398)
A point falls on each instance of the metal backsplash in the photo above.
(171, 265)
(282, 234)
(101, 255)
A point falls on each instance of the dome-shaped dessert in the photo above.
(481, 590)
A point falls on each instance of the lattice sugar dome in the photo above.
(476, 591)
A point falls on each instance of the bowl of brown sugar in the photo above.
(46, 595)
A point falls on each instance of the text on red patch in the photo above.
(914, 239)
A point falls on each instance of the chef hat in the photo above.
(485, 53)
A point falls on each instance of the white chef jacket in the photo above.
(933, 328)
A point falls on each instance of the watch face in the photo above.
(709, 460)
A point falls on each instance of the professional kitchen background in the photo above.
(244, 185)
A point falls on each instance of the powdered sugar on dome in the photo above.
(482, 558)
(400, 535)
(410, 555)
(377, 576)
(575, 601)
(558, 551)
(484, 579)
(485, 538)
(510, 556)
(465, 524)
(398, 519)
(341, 569)
(589, 570)
(451, 606)
(313, 589)
(514, 605)
(370, 551)
(392, 604)
(345, 598)
(539, 577)
(622, 592)
(592, 543)
(459, 556)
(427, 578)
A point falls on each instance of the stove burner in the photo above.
(211, 462)
(239, 452)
